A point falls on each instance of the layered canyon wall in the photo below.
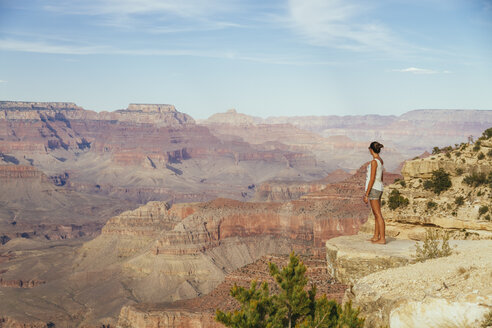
(145, 152)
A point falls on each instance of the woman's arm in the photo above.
(374, 166)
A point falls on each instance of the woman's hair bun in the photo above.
(376, 146)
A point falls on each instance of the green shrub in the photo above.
(458, 154)
(402, 183)
(396, 200)
(477, 146)
(448, 155)
(436, 150)
(487, 133)
(460, 200)
(487, 320)
(439, 181)
(427, 184)
(476, 179)
(481, 156)
(431, 205)
(459, 171)
(487, 217)
(482, 210)
(489, 153)
(383, 202)
(435, 244)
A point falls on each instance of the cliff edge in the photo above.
(448, 192)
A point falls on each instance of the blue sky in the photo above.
(264, 58)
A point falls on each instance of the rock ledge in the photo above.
(392, 291)
(352, 257)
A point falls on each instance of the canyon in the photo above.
(142, 153)
(144, 216)
(341, 141)
(32, 206)
(167, 253)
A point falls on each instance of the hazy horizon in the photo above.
(281, 58)
(258, 116)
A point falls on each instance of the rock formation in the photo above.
(456, 209)
(290, 190)
(34, 207)
(411, 129)
(388, 284)
(58, 158)
(335, 151)
(393, 291)
(145, 152)
(163, 252)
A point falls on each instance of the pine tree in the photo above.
(292, 307)
(293, 302)
(255, 307)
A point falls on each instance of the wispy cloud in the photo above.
(153, 16)
(50, 48)
(185, 8)
(72, 49)
(415, 70)
(3, 81)
(339, 24)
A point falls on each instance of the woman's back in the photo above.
(378, 181)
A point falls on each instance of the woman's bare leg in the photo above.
(376, 226)
(376, 206)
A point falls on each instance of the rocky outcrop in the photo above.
(142, 153)
(387, 283)
(15, 172)
(6, 321)
(232, 117)
(29, 105)
(19, 283)
(141, 113)
(152, 108)
(456, 209)
(290, 190)
(350, 258)
(195, 228)
(132, 317)
(351, 188)
(454, 289)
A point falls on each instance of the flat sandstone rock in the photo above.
(352, 257)
(391, 291)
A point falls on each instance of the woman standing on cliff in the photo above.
(374, 190)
